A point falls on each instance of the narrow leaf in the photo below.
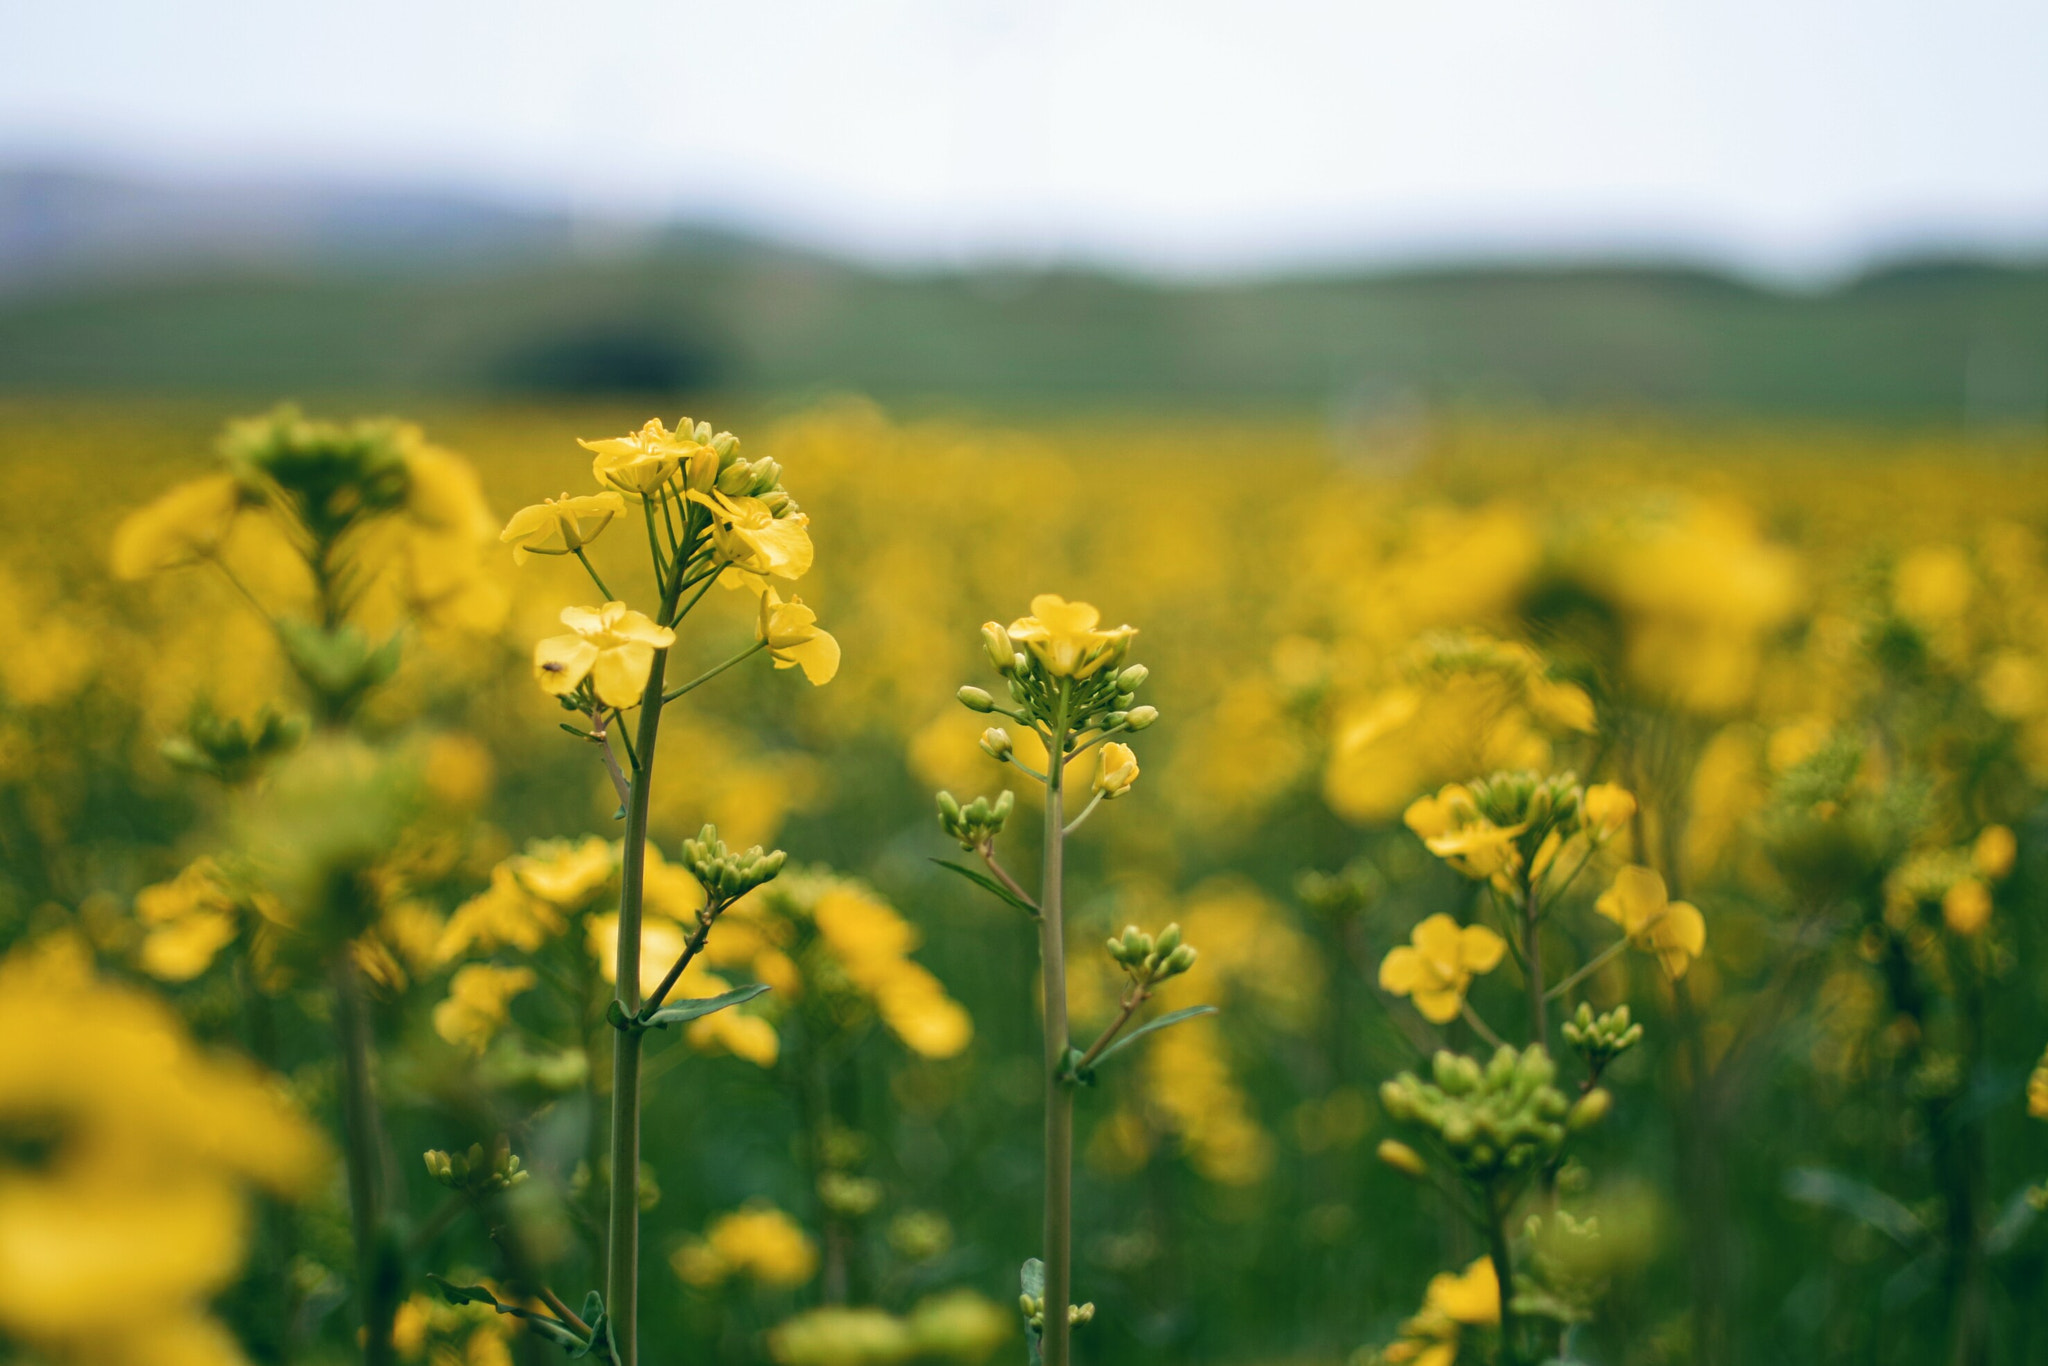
(989, 884)
(462, 1294)
(682, 1012)
(1847, 1195)
(1151, 1027)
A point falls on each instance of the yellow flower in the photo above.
(184, 526)
(1436, 967)
(794, 638)
(504, 915)
(560, 526)
(566, 874)
(1994, 852)
(642, 462)
(191, 918)
(873, 943)
(1479, 850)
(837, 1336)
(2037, 1089)
(1673, 930)
(754, 542)
(613, 646)
(1470, 1298)
(479, 1001)
(757, 1241)
(1607, 808)
(1430, 817)
(115, 1239)
(1118, 771)
(1066, 639)
(1966, 906)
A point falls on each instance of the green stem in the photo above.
(622, 1261)
(1504, 1272)
(1593, 965)
(709, 674)
(377, 1275)
(1532, 932)
(591, 569)
(1059, 1093)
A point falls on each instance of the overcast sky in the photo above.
(1791, 136)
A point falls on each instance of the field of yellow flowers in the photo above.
(1464, 746)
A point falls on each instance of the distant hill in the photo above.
(250, 293)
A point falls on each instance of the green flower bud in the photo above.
(996, 742)
(1002, 652)
(1403, 1159)
(736, 479)
(1141, 717)
(949, 809)
(1132, 678)
(1181, 959)
(1169, 939)
(1590, 1109)
(976, 699)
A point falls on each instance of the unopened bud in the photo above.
(1403, 1159)
(1141, 717)
(1002, 653)
(976, 699)
(1133, 678)
(949, 808)
(996, 741)
(1590, 1109)
(735, 479)
(1169, 939)
(1181, 959)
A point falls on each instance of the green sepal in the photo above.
(989, 884)
(1151, 1027)
(682, 1012)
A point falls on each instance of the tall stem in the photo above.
(1504, 1272)
(622, 1260)
(1532, 948)
(377, 1275)
(1059, 1095)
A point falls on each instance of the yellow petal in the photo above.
(1402, 971)
(1439, 1005)
(1480, 949)
(561, 663)
(620, 673)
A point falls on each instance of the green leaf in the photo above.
(463, 1294)
(1847, 1195)
(682, 1012)
(989, 884)
(1151, 1027)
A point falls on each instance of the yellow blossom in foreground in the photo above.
(758, 1241)
(1470, 1298)
(613, 646)
(1966, 906)
(1673, 930)
(1119, 769)
(1995, 851)
(1436, 967)
(1607, 808)
(754, 541)
(1066, 637)
(794, 639)
(639, 463)
(479, 1002)
(110, 1250)
(560, 526)
(184, 526)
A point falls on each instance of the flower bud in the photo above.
(949, 808)
(1001, 652)
(976, 699)
(1590, 1109)
(735, 479)
(1142, 717)
(1005, 804)
(996, 741)
(1133, 678)
(1169, 939)
(1403, 1159)
(1181, 959)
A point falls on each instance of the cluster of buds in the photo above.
(976, 824)
(333, 476)
(1069, 672)
(477, 1172)
(1503, 1119)
(229, 749)
(726, 874)
(1600, 1039)
(1151, 961)
(1494, 828)
(1034, 1312)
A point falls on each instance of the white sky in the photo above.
(1791, 136)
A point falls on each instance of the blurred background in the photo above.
(1398, 370)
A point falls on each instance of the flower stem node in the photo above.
(727, 875)
(976, 824)
(477, 1172)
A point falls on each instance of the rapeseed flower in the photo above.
(640, 463)
(1066, 638)
(753, 542)
(560, 526)
(182, 527)
(1467, 1299)
(613, 646)
(757, 1241)
(795, 640)
(1673, 930)
(1436, 967)
(479, 1002)
(1118, 770)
